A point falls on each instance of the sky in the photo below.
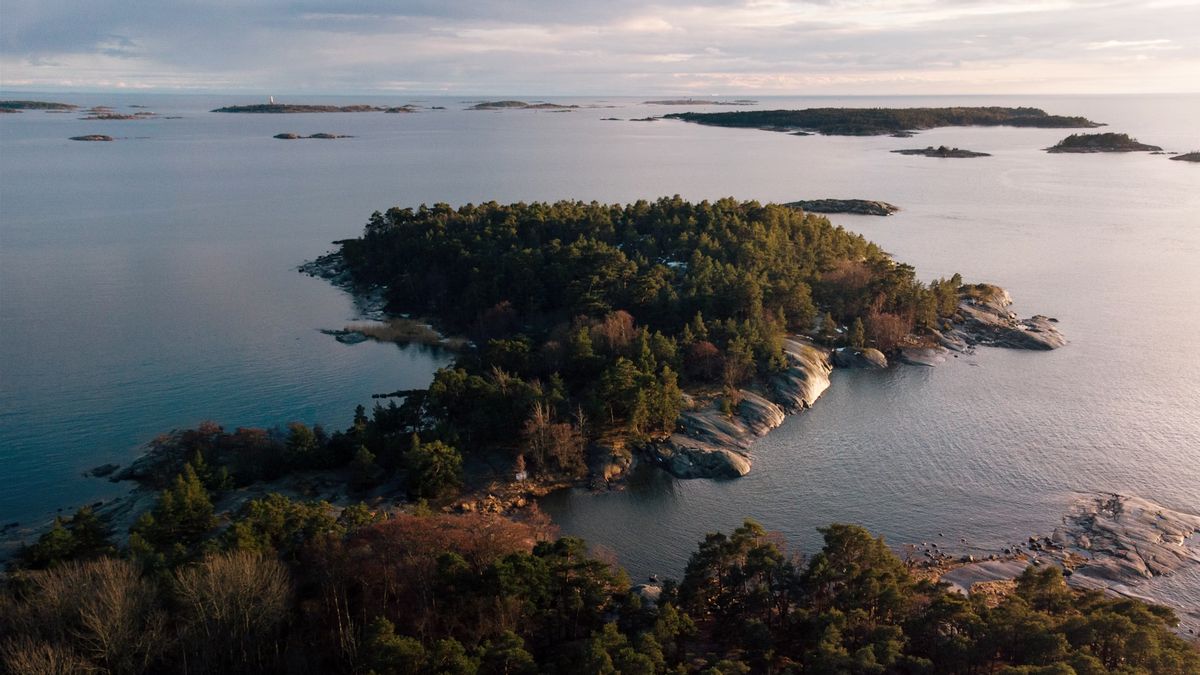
(602, 47)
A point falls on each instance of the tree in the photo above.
(858, 335)
(182, 517)
(434, 469)
(364, 472)
(385, 653)
(829, 329)
(506, 655)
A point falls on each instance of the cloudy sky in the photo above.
(603, 47)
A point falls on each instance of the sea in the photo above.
(150, 283)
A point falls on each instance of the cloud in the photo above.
(619, 46)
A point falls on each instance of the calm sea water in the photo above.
(149, 284)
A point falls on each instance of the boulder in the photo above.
(847, 357)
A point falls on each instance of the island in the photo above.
(698, 101)
(863, 207)
(108, 115)
(941, 151)
(519, 105)
(293, 137)
(645, 334)
(36, 105)
(1107, 142)
(283, 108)
(882, 121)
(92, 137)
(1188, 157)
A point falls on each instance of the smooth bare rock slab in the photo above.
(806, 378)
(713, 444)
(1130, 538)
(961, 579)
(758, 415)
(686, 457)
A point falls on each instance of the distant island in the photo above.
(862, 207)
(1108, 142)
(92, 137)
(882, 121)
(293, 137)
(279, 108)
(1188, 157)
(35, 105)
(941, 151)
(519, 105)
(697, 101)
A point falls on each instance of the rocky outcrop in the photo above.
(806, 377)
(847, 357)
(985, 319)
(92, 137)
(942, 151)
(1127, 539)
(1188, 157)
(863, 207)
(711, 443)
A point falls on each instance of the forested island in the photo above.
(36, 105)
(880, 121)
(519, 105)
(1188, 157)
(1108, 142)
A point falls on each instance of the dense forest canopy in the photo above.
(878, 121)
(295, 587)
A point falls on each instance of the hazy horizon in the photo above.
(621, 48)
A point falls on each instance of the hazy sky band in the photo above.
(611, 47)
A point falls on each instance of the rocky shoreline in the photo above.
(712, 443)
(1107, 542)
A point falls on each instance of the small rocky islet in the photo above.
(864, 207)
(92, 138)
(288, 136)
(941, 151)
